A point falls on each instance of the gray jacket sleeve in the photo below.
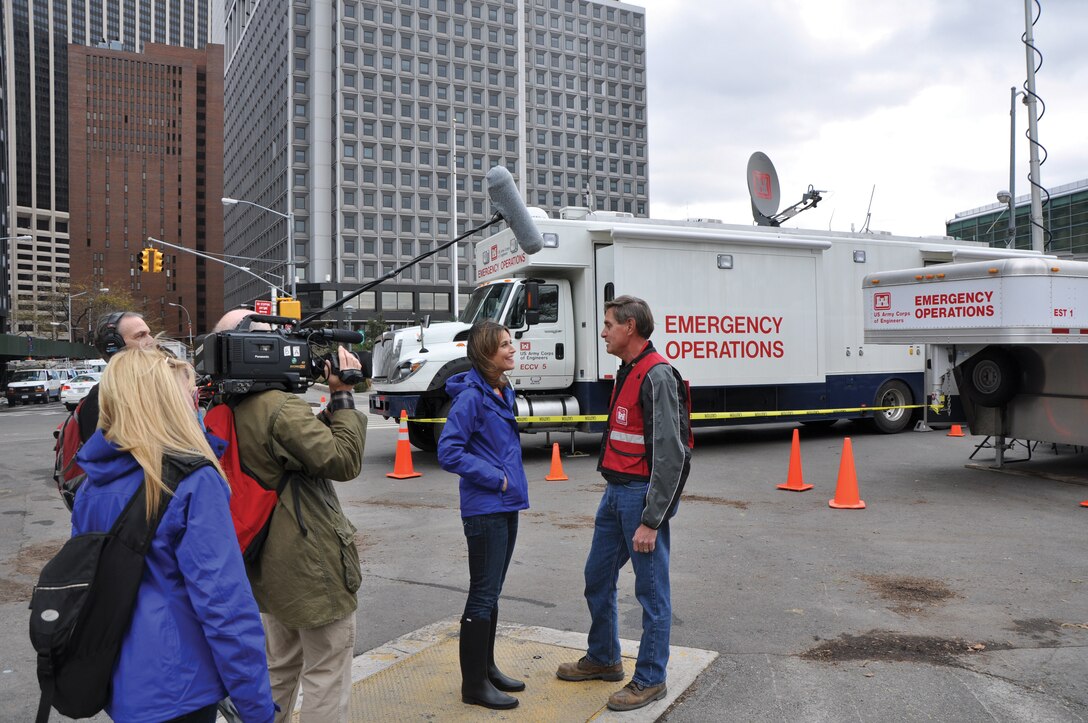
(667, 428)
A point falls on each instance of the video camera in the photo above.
(241, 361)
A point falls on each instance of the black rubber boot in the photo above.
(500, 681)
(476, 689)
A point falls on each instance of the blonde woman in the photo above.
(195, 635)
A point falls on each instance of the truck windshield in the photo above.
(35, 375)
(486, 303)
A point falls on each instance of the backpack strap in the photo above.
(48, 683)
(132, 526)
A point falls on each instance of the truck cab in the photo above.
(412, 365)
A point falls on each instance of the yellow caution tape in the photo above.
(694, 415)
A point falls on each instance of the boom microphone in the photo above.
(348, 337)
(508, 203)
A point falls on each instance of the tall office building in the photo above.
(146, 159)
(345, 120)
(36, 34)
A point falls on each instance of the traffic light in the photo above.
(156, 262)
(145, 259)
(290, 307)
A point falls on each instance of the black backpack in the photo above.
(82, 605)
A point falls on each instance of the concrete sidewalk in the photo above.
(418, 677)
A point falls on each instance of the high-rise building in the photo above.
(146, 160)
(36, 34)
(367, 128)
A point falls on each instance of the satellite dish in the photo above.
(763, 188)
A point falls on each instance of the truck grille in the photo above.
(385, 357)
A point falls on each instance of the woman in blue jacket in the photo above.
(480, 442)
(196, 634)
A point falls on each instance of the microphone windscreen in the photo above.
(507, 202)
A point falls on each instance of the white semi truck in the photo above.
(1007, 342)
(756, 318)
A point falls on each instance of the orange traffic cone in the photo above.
(846, 490)
(556, 474)
(794, 481)
(956, 431)
(402, 465)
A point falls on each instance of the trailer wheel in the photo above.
(991, 377)
(892, 393)
(422, 436)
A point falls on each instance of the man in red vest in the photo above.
(645, 458)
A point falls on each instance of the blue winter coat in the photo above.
(196, 634)
(480, 442)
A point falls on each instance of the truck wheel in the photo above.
(892, 393)
(443, 412)
(991, 377)
(422, 436)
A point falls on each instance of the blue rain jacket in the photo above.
(196, 634)
(480, 442)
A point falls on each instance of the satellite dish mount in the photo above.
(764, 191)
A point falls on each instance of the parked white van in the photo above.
(34, 385)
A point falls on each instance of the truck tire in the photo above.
(991, 377)
(422, 437)
(892, 393)
(443, 412)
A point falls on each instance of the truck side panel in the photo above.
(752, 318)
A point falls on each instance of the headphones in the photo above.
(106, 338)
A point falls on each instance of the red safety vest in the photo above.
(625, 441)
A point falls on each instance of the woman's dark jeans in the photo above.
(491, 541)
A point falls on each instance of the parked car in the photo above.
(33, 385)
(71, 392)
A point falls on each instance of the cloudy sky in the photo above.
(912, 98)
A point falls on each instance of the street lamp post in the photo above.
(71, 336)
(456, 247)
(290, 217)
(188, 319)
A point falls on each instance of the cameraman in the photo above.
(308, 573)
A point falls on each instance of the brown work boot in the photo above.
(634, 695)
(586, 670)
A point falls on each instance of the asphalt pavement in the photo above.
(958, 594)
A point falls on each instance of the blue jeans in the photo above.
(618, 516)
(491, 541)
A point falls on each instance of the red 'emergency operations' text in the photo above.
(724, 348)
(965, 304)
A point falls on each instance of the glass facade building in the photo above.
(368, 127)
(1065, 216)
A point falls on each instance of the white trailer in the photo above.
(757, 319)
(1007, 342)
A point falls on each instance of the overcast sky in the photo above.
(912, 97)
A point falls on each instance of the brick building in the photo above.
(146, 159)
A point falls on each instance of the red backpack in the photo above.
(251, 503)
(66, 471)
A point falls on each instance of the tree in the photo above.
(375, 327)
(92, 304)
